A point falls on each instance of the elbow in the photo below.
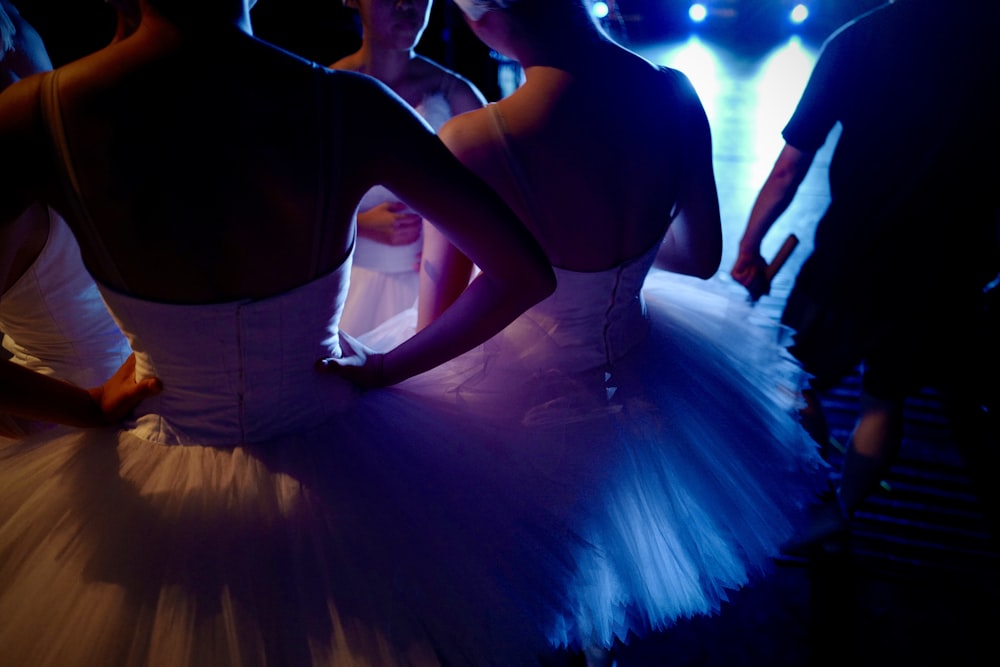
(700, 265)
(712, 261)
(705, 272)
(704, 266)
(704, 259)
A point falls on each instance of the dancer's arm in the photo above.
(30, 395)
(407, 157)
(692, 244)
(775, 195)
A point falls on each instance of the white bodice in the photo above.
(593, 318)
(54, 320)
(237, 372)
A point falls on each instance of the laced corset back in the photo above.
(237, 372)
(593, 318)
(596, 318)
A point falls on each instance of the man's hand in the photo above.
(750, 270)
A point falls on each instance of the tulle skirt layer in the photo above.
(347, 545)
(682, 465)
(375, 296)
(482, 514)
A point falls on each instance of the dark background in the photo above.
(320, 30)
(323, 30)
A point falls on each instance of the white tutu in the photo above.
(681, 461)
(511, 502)
(335, 547)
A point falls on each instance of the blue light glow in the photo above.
(599, 10)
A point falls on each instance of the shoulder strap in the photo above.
(322, 173)
(52, 115)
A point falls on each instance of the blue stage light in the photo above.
(698, 12)
(799, 14)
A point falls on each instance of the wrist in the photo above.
(749, 246)
(91, 412)
(378, 368)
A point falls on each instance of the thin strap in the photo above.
(323, 176)
(517, 175)
(52, 114)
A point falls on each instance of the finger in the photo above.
(338, 366)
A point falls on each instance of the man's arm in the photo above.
(773, 199)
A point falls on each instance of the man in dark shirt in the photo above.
(909, 240)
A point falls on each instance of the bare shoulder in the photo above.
(675, 86)
(20, 101)
(470, 137)
(351, 62)
(461, 93)
(357, 89)
(374, 112)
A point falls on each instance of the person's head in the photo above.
(508, 26)
(474, 10)
(392, 24)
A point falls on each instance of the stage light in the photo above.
(698, 12)
(599, 10)
(799, 14)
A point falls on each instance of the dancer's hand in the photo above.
(117, 397)
(358, 364)
(28, 394)
(390, 223)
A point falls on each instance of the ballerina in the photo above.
(255, 511)
(386, 272)
(52, 317)
(659, 413)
